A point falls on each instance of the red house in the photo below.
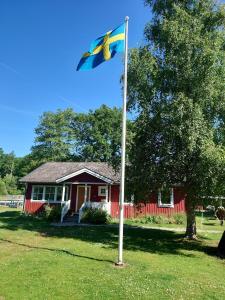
(74, 185)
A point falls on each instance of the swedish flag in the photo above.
(103, 49)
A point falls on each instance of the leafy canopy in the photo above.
(176, 85)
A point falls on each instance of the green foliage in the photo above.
(51, 213)
(95, 216)
(54, 136)
(176, 86)
(69, 136)
(99, 135)
(178, 219)
(3, 190)
(11, 184)
(7, 162)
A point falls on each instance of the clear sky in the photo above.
(41, 44)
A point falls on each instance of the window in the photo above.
(49, 193)
(38, 193)
(102, 190)
(59, 193)
(166, 197)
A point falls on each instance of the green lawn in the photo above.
(204, 223)
(38, 261)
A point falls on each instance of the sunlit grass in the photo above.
(38, 261)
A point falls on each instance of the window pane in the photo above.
(59, 193)
(38, 192)
(165, 196)
(49, 193)
(103, 191)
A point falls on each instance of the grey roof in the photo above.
(51, 171)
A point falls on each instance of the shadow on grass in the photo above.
(135, 239)
(63, 251)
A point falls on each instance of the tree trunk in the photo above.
(221, 247)
(191, 220)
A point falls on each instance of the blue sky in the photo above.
(41, 44)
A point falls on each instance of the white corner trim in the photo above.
(84, 171)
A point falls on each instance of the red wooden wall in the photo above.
(151, 208)
(32, 207)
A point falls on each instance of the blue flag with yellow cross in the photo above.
(103, 48)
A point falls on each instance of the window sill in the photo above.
(45, 201)
(166, 205)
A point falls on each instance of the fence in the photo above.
(11, 200)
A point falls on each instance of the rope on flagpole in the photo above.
(123, 153)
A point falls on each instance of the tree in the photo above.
(69, 136)
(11, 184)
(176, 85)
(3, 190)
(98, 135)
(6, 162)
(54, 136)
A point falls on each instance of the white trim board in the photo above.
(84, 171)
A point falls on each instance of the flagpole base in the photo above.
(120, 265)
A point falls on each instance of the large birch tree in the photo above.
(176, 85)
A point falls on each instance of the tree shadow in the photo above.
(158, 241)
(55, 250)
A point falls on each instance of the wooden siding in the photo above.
(30, 206)
(151, 208)
(130, 211)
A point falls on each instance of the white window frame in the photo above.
(99, 190)
(171, 204)
(43, 196)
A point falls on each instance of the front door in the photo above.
(81, 195)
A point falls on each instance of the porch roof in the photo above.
(56, 172)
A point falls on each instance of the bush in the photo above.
(179, 219)
(161, 219)
(51, 213)
(95, 216)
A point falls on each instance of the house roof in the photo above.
(59, 171)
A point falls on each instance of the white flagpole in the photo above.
(123, 141)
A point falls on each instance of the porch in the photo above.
(82, 195)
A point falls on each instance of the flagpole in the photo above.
(123, 142)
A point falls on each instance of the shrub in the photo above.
(179, 219)
(51, 213)
(161, 219)
(95, 216)
(155, 219)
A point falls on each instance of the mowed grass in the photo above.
(204, 222)
(38, 261)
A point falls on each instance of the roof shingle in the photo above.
(51, 171)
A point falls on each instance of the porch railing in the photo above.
(65, 209)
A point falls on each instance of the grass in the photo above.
(38, 261)
(204, 223)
